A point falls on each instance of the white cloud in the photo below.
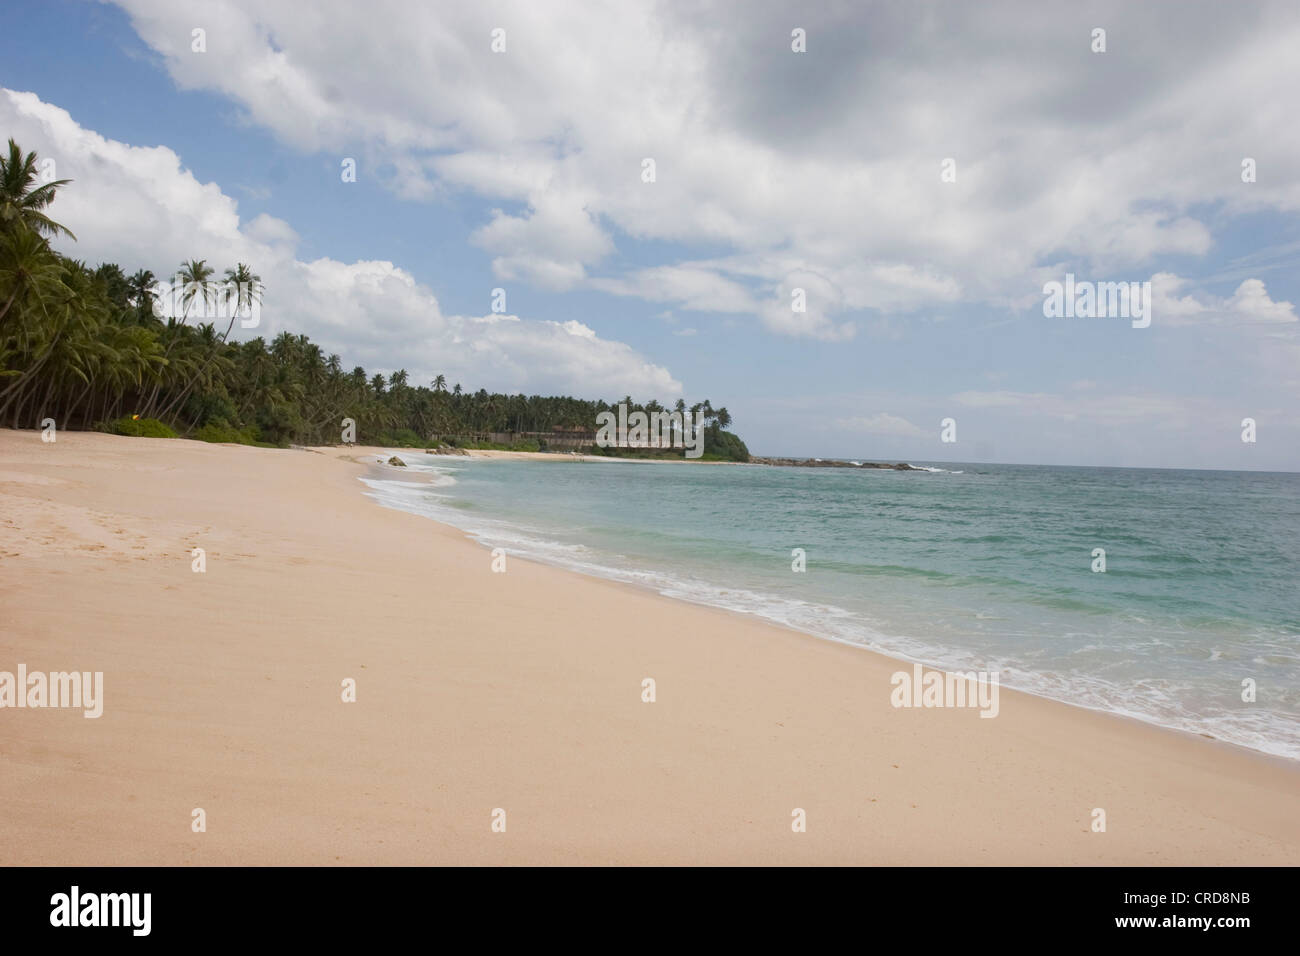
(138, 207)
(1250, 303)
(826, 161)
(804, 305)
(570, 238)
(693, 287)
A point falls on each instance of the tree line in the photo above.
(96, 348)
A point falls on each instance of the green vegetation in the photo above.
(719, 445)
(221, 431)
(141, 428)
(87, 348)
(403, 438)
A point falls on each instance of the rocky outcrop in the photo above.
(828, 463)
(397, 462)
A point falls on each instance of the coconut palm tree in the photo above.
(28, 268)
(243, 288)
(194, 276)
(140, 289)
(21, 200)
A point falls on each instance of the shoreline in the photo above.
(563, 456)
(378, 472)
(756, 460)
(479, 690)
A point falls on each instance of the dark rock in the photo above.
(824, 463)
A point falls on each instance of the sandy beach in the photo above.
(521, 691)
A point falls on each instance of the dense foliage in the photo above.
(85, 347)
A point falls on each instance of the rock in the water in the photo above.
(397, 461)
(829, 463)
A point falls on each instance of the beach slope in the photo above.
(518, 692)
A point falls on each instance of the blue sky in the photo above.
(775, 170)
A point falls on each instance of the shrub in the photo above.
(723, 446)
(222, 432)
(140, 428)
(402, 438)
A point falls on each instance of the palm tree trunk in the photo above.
(32, 370)
(13, 295)
(81, 400)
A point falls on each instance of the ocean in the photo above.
(964, 566)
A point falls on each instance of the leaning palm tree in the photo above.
(194, 276)
(28, 267)
(73, 310)
(243, 288)
(21, 200)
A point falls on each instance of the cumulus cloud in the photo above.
(804, 305)
(551, 246)
(826, 161)
(1250, 303)
(139, 207)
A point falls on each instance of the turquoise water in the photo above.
(983, 567)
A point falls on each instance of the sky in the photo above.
(915, 175)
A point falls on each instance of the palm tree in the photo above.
(27, 267)
(74, 307)
(243, 288)
(140, 289)
(19, 201)
(194, 276)
(83, 345)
